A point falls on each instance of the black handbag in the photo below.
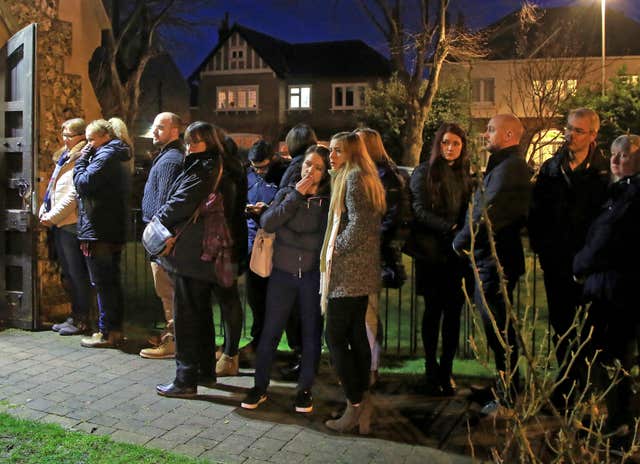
(156, 238)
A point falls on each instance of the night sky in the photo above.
(309, 21)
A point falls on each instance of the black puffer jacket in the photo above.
(299, 223)
(191, 187)
(103, 183)
(505, 195)
(564, 203)
(610, 257)
(433, 225)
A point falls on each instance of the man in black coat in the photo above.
(166, 166)
(504, 195)
(569, 190)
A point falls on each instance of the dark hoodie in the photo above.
(103, 183)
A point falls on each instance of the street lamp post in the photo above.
(603, 6)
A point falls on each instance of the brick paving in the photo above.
(49, 378)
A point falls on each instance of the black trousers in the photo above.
(615, 333)
(443, 300)
(194, 329)
(256, 297)
(348, 343)
(496, 307)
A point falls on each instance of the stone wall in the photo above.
(59, 99)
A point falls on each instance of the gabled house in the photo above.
(531, 70)
(252, 83)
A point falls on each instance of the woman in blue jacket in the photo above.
(298, 216)
(102, 180)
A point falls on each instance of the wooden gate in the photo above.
(18, 168)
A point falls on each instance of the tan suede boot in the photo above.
(227, 366)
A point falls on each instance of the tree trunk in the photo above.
(412, 134)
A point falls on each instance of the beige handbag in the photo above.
(262, 253)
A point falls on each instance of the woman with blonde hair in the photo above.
(350, 266)
(393, 272)
(103, 183)
(122, 133)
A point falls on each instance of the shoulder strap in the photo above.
(196, 213)
(215, 186)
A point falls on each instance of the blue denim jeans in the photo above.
(104, 271)
(283, 291)
(75, 275)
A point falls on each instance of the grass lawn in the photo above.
(28, 442)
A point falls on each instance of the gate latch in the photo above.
(17, 219)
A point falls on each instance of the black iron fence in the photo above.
(400, 309)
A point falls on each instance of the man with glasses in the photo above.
(263, 177)
(569, 190)
(164, 170)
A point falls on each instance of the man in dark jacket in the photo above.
(164, 170)
(103, 183)
(261, 192)
(569, 190)
(299, 138)
(503, 199)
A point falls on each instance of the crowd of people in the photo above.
(342, 215)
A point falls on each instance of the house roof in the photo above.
(576, 29)
(345, 58)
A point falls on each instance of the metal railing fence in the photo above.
(400, 310)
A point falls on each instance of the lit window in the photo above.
(348, 96)
(483, 90)
(554, 89)
(240, 98)
(300, 97)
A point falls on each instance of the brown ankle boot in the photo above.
(348, 421)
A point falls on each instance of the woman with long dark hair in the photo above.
(440, 188)
(194, 278)
(298, 216)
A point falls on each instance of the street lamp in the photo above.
(603, 6)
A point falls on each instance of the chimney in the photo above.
(223, 30)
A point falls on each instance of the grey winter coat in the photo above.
(355, 268)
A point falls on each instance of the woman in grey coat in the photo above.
(350, 266)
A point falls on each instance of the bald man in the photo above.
(164, 170)
(505, 196)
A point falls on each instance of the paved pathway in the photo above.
(50, 378)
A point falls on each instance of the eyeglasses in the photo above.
(69, 136)
(576, 130)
